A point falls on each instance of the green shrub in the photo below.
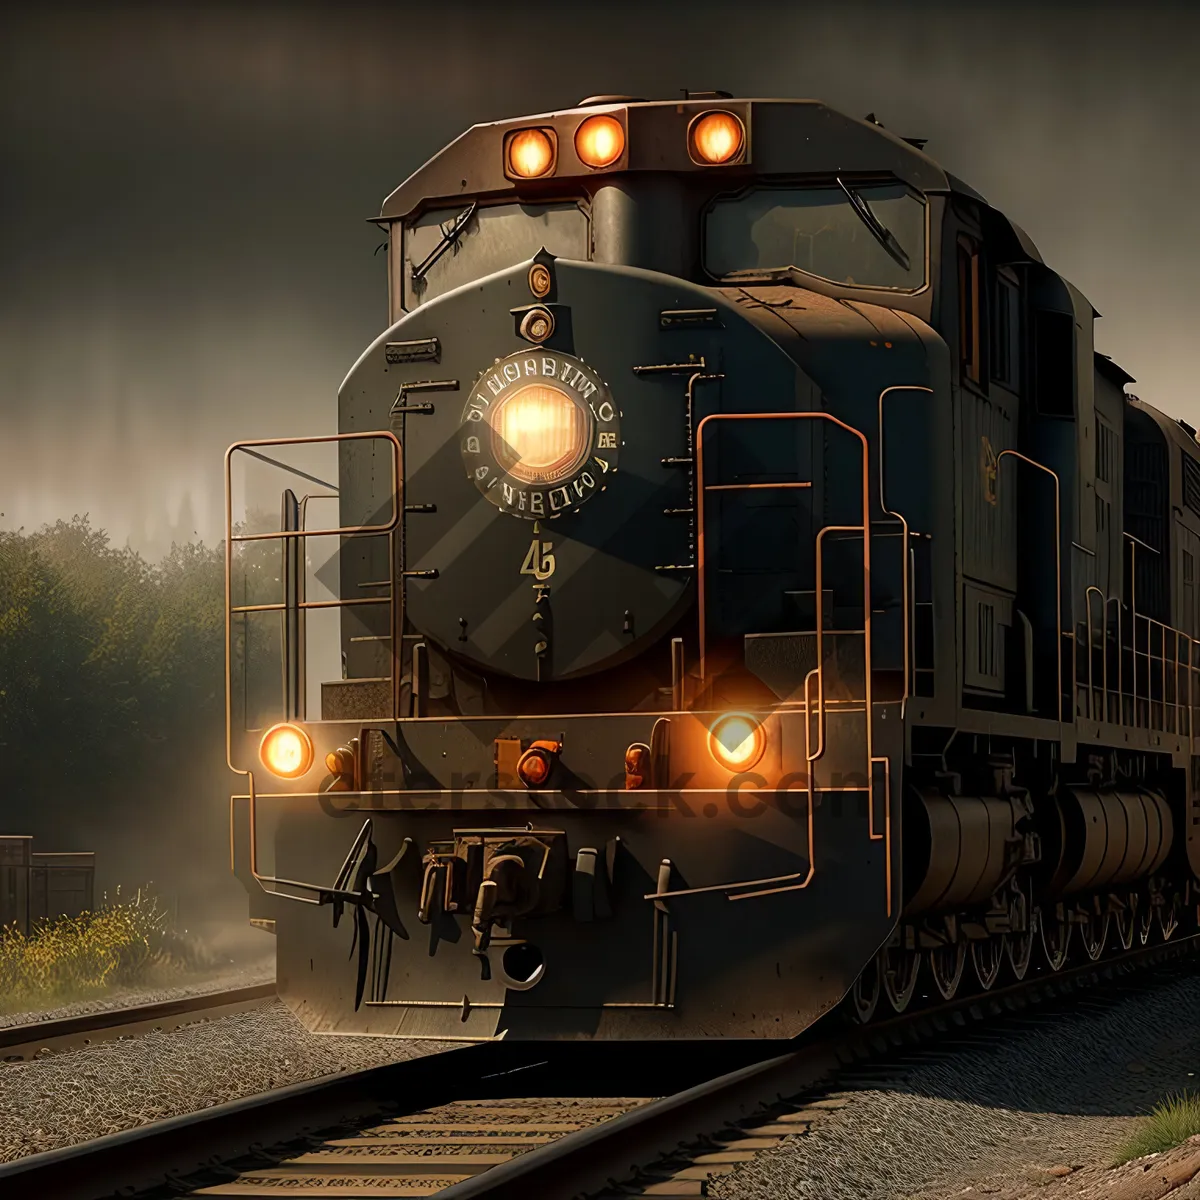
(71, 958)
(1170, 1123)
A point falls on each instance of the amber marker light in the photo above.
(736, 741)
(715, 138)
(600, 141)
(530, 153)
(286, 750)
(533, 767)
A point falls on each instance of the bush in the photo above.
(71, 958)
(1169, 1124)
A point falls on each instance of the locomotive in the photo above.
(755, 594)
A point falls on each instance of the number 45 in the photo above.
(539, 562)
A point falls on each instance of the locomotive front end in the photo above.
(625, 618)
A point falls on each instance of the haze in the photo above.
(184, 193)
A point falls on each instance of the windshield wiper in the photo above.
(450, 234)
(883, 235)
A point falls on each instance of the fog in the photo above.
(184, 246)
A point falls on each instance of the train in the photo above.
(755, 596)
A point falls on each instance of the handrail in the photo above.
(388, 528)
(902, 387)
(1058, 641)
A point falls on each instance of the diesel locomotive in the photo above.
(754, 594)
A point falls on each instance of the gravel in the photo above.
(67, 1098)
(1064, 1091)
(233, 976)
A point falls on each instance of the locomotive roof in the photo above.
(784, 137)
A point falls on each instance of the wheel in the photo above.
(987, 956)
(1019, 948)
(1094, 935)
(946, 964)
(899, 969)
(1146, 924)
(864, 995)
(1056, 940)
(1123, 920)
(1168, 918)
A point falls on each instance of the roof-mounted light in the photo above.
(529, 153)
(716, 138)
(600, 140)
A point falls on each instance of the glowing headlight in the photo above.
(736, 741)
(286, 750)
(600, 141)
(716, 137)
(530, 153)
(539, 434)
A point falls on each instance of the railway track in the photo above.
(503, 1121)
(18, 1043)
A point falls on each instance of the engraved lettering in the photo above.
(472, 445)
(484, 401)
(537, 503)
(481, 472)
(559, 498)
(509, 493)
(549, 366)
(607, 440)
(602, 463)
(512, 372)
(606, 412)
(531, 366)
(588, 389)
(495, 384)
(565, 371)
(475, 414)
(587, 479)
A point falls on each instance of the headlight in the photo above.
(600, 141)
(286, 750)
(529, 153)
(736, 741)
(716, 137)
(540, 434)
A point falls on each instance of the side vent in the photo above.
(1191, 482)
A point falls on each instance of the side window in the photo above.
(1006, 329)
(968, 310)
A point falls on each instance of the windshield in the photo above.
(879, 242)
(452, 246)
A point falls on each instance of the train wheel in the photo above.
(946, 964)
(1056, 940)
(1019, 948)
(1094, 934)
(899, 969)
(987, 956)
(1123, 919)
(1168, 918)
(865, 993)
(1146, 924)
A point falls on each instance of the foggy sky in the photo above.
(185, 258)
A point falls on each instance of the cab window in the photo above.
(861, 235)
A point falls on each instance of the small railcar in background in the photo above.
(755, 591)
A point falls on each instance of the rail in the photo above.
(734, 1090)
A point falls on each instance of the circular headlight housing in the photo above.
(286, 750)
(737, 741)
(715, 138)
(540, 434)
(600, 141)
(529, 153)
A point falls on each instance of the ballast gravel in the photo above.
(994, 1119)
(220, 980)
(68, 1098)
